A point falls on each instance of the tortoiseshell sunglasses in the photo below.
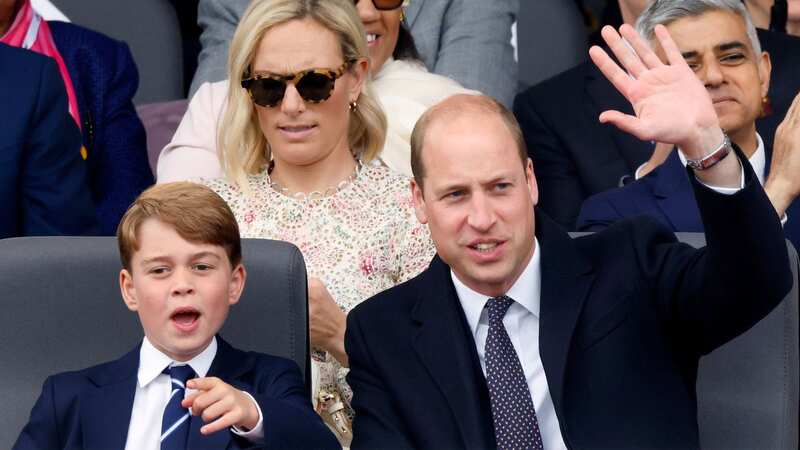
(313, 85)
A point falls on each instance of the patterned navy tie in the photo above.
(175, 423)
(515, 424)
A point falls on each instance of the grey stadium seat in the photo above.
(747, 390)
(62, 310)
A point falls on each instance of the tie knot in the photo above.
(180, 373)
(498, 306)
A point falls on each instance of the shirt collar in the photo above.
(758, 160)
(525, 291)
(152, 362)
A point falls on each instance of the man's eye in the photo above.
(158, 270)
(502, 186)
(734, 58)
(202, 267)
(454, 195)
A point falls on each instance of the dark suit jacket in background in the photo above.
(43, 188)
(105, 80)
(91, 408)
(575, 156)
(625, 316)
(665, 194)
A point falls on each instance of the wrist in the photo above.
(779, 194)
(703, 143)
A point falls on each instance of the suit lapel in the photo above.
(447, 350)
(566, 279)
(228, 365)
(674, 196)
(106, 410)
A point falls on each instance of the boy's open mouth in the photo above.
(185, 318)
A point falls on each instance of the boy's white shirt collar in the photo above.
(152, 362)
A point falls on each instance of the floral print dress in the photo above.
(360, 240)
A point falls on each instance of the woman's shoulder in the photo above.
(406, 71)
(400, 84)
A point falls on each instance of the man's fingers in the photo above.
(625, 55)
(648, 57)
(625, 122)
(611, 70)
(674, 55)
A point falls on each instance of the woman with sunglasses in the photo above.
(299, 136)
(404, 88)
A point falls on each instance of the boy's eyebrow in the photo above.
(164, 258)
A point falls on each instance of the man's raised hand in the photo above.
(670, 103)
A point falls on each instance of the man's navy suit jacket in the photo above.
(105, 80)
(625, 315)
(666, 194)
(91, 408)
(43, 181)
(575, 156)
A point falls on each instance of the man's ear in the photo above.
(531, 181)
(419, 202)
(236, 286)
(765, 73)
(128, 290)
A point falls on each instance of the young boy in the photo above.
(183, 387)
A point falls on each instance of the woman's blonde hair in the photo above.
(243, 148)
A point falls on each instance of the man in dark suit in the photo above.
(43, 186)
(517, 336)
(577, 157)
(736, 73)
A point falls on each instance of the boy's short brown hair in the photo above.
(196, 213)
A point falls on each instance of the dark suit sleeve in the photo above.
(56, 198)
(597, 213)
(376, 424)
(710, 296)
(122, 168)
(41, 431)
(560, 189)
(289, 420)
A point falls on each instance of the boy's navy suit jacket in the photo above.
(91, 408)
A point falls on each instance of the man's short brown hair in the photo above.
(452, 107)
(196, 213)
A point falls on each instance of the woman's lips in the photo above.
(297, 132)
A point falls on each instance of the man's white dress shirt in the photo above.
(522, 324)
(153, 389)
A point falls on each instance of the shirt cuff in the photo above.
(257, 433)
(725, 190)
